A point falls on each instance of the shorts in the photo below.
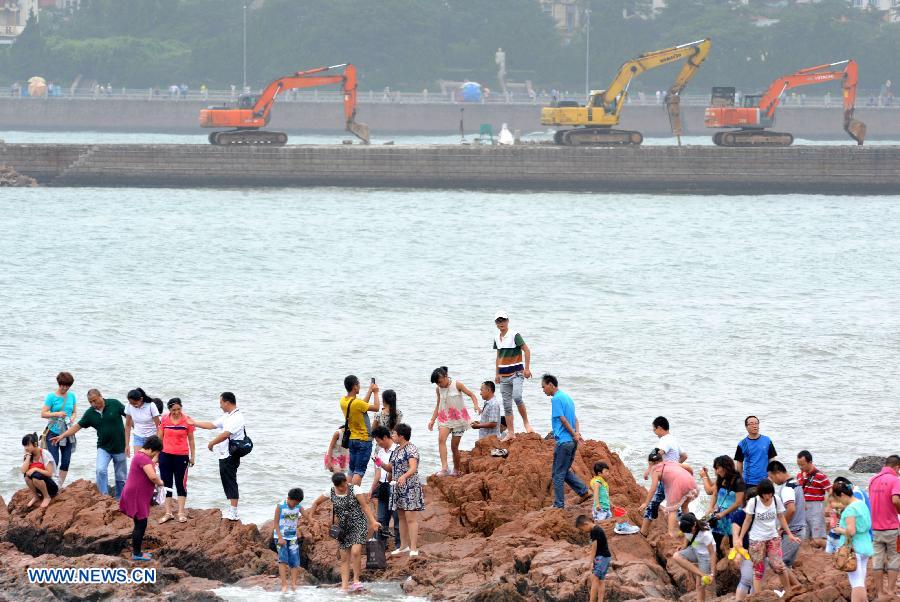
(511, 391)
(789, 551)
(601, 567)
(886, 557)
(770, 550)
(360, 452)
(831, 542)
(858, 577)
(815, 520)
(746, 583)
(52, 487)
(659, 495)
(289, 554)
(701, 560)
(458, 433)
(601, 514)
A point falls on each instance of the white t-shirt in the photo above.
(385, 457)
(669, 446)
(786, 494)
(233, 422)
(765, 523)
(704, 538)
(142, 418)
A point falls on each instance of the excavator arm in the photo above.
(819, 74)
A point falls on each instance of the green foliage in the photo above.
(410, 44)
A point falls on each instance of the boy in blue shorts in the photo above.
(599, 556)
(287, 514)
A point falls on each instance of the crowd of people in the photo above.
(757, 514)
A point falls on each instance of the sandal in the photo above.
(145, 557)
(182, 518)
(166, 518)
(441, 473)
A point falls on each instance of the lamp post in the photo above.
(244, 86)
(587, 56)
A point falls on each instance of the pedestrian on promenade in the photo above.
(567, 433)
(231, 423)
(726, 496)
(381, 484)
(389, 416)
(599, 557)
(671, 451)
(105, 416)
(286, 534)
(791, 494)
(407, 495)
(38, 467)
(815, 485)
(488, 424)
(513, 366)
(884, 495)
(178, 453)
(141, 420)
(60, 409)
(678, 484)
(355, 413)
(855, 529)
(353, 515)
(751, 458)
(451, 415)
(337, 457)
(138, 493)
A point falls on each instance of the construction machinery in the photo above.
(593, 122)
(757, 111)
(253, 111)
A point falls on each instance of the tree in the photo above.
(28, 53)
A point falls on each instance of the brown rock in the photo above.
(10, 177)
(4, 519)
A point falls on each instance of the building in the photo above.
(568, 14)
(13, 17)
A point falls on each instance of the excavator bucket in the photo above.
(360, 130)
(855, 128)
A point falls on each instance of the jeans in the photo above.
(360, 453)
(137, 441)
(511, 391)
(120, 463)
(60, 450)
(385, 515)
(563, 456)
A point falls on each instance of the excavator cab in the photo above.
(247, 101)
(751, 101)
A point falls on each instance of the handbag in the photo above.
(44, 440)
(240, 447)
(375, 554)
(335, 531)
(845, 558)
(345, 437)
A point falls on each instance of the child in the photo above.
(599, 556)
(452, 417)
(337, 458)
(699, 552)
(287, 514)
(489, 424)
(38, 468)
(602, 508)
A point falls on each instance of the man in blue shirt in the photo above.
(753, 453)
(567, 435)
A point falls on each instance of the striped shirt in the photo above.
(509, 353)
(815, 486)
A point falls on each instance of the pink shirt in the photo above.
(677, 482)
(175, 436)
(882, 488)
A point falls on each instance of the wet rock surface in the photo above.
(9, 177)
(868, 464)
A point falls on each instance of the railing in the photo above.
(865, 98)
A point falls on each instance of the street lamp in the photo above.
(587, 56)
(244, 86)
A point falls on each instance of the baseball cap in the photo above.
(501, 314)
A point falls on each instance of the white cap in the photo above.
(501, 314)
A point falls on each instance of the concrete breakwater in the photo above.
(132, 115)
(653, 169)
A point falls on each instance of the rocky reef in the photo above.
(10, 177)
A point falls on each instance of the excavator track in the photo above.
(752, 138)
(598, 137)
(248, 137)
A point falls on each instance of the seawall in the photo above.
(133, 115)
(653, 169)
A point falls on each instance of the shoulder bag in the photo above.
(335, 531)
(345, 438)
(240, 447)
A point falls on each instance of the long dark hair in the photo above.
(731, 474)
(390, 400)
(147, 399)
(438, 374)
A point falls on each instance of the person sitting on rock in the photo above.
(600, 558)
(488, 424)
(38, 467)
(698, 555)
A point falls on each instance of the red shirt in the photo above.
(815, 486)
(175, 436)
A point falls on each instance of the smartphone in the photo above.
(373, 380)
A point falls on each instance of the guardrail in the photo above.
(867, 99)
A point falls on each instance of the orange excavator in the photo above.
(253, 111)
(757, 111)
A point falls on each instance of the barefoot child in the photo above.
(287, 514)
(38, 468)
(602, 508)
(600, 557)
(699, 552)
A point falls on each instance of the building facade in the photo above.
(13, 17)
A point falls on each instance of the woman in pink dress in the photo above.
(679, 485)
(138, 492)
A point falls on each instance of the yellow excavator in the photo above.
(593, 123)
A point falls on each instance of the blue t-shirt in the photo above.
(562, 405)
(755, 454)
